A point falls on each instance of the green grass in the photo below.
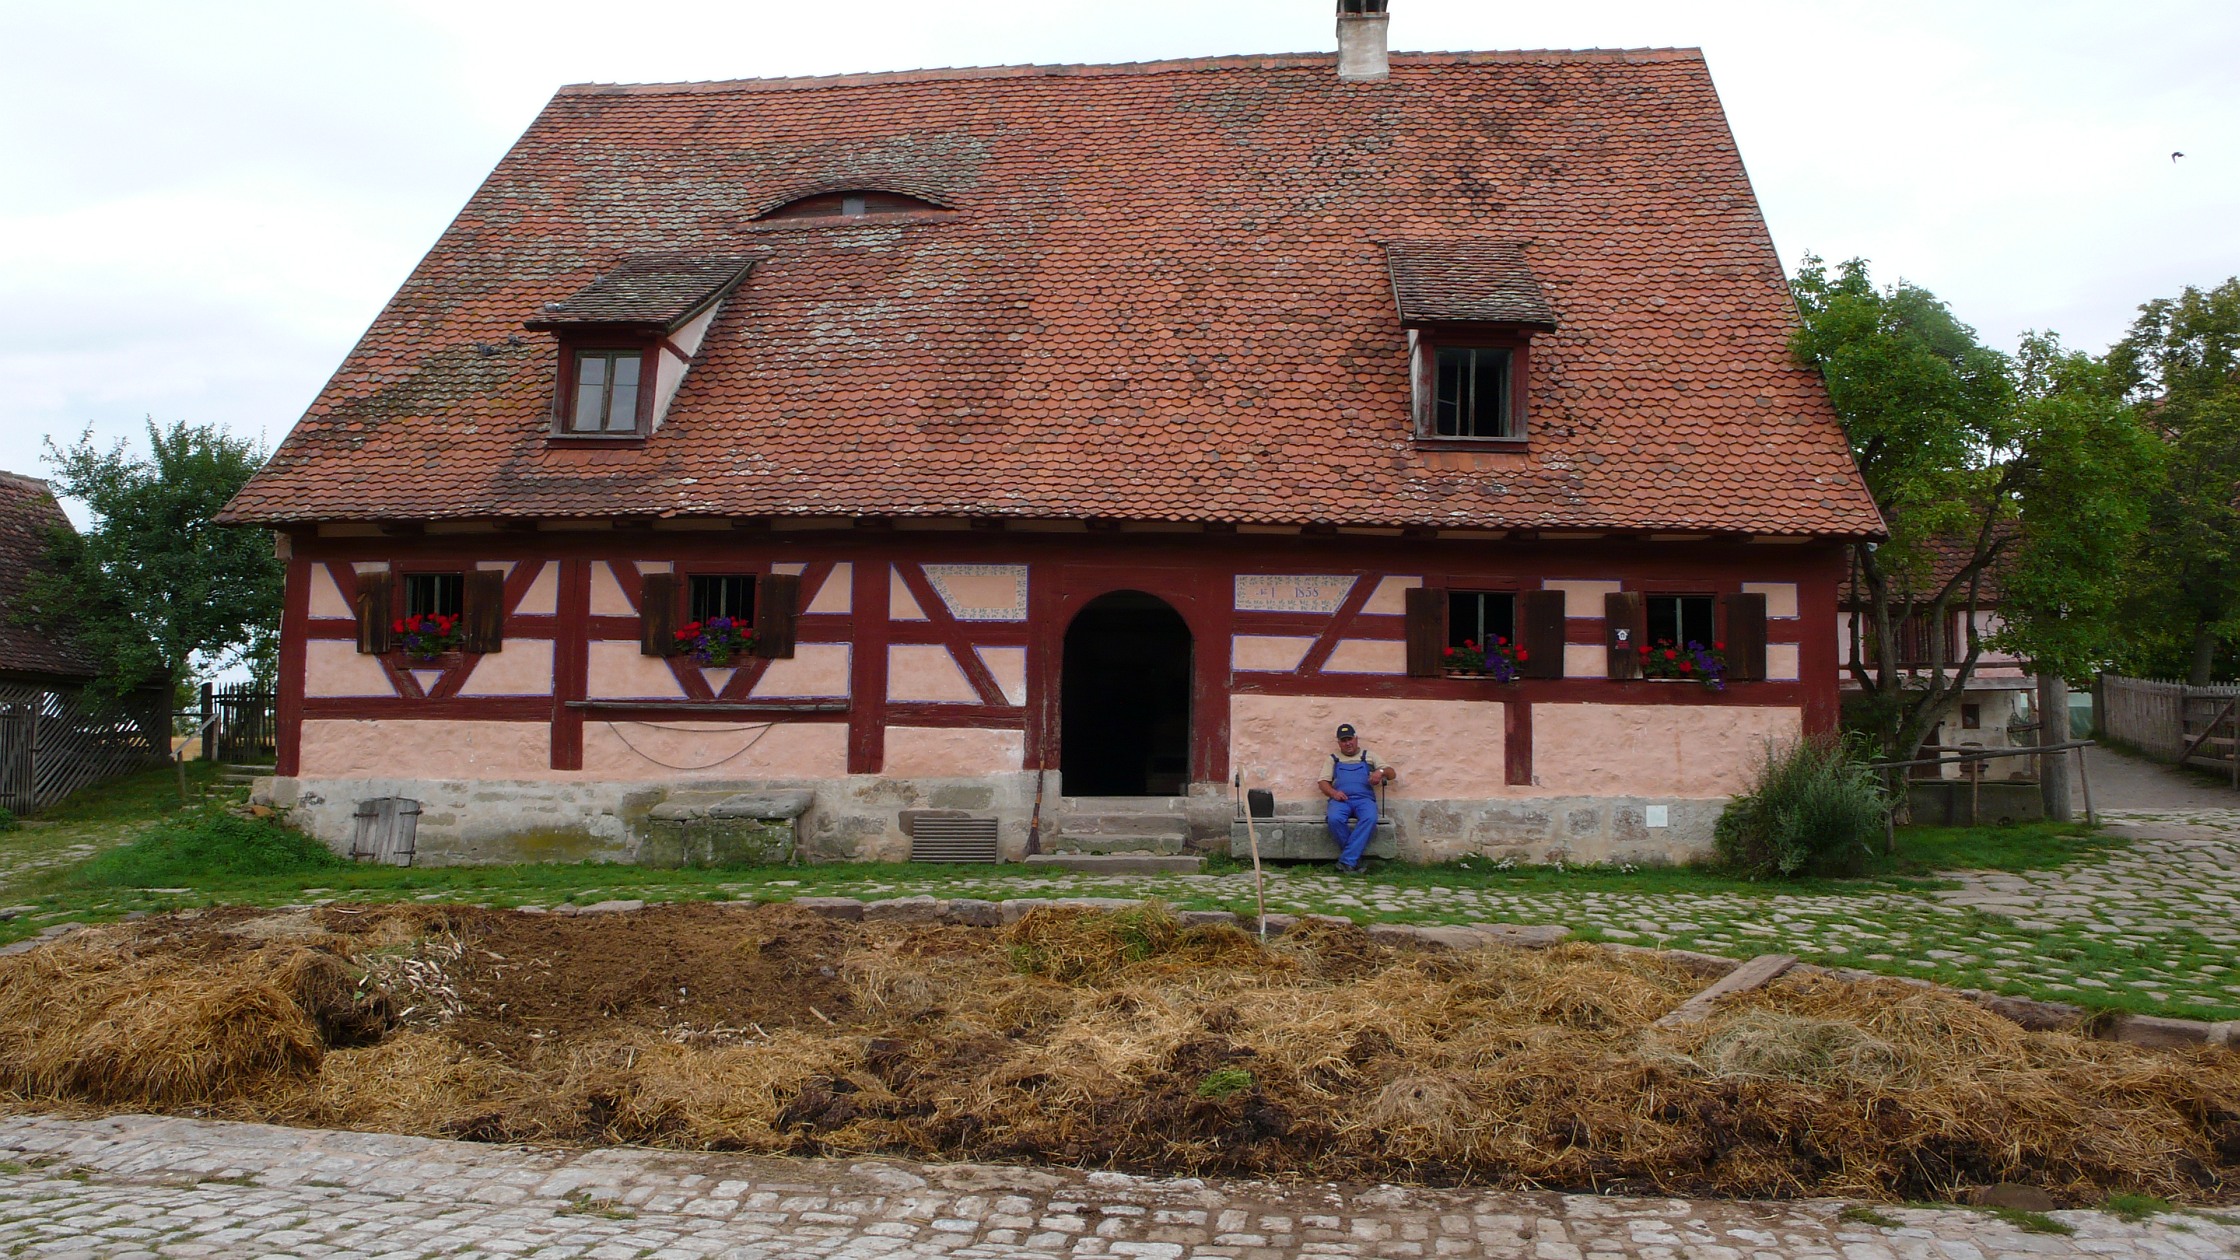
(2029, 1222)
(206, 845)
(1857, 1214)
(2031, 846)
(2135, 1207)
(1222, 1082)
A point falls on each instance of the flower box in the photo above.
(1692, 662)
(716, 642)
(1500, 661)
(424, 637)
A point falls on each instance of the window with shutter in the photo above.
(1745, 636)
(1624, 627)
(1541, 634)
(1426, 631)
(777, 610)
(657, 614)
(483, 614)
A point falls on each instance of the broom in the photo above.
(1259, 890)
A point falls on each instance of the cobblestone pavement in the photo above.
(135, 1186)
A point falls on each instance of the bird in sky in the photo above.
(2175, 156)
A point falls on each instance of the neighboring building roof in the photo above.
(1947, 556)
(1159, 291)
(656, 293)
(28, 518)
(1483, 282)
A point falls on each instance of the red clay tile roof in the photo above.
(28, 517)
(1480, 282)
(1161, 292)
(658, 292)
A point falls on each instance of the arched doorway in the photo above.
(1124, 699)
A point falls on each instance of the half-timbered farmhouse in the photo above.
(1091, 435)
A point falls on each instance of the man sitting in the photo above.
(1352, 789)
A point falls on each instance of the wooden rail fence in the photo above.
(55, 741)
(2197, 726)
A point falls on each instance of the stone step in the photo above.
(1064, 842)
(1121, 863)
(1124, 805)
(1137, 824)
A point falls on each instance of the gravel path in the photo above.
(138, 1186)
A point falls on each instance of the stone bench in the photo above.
(1304, 838)
(724, 829)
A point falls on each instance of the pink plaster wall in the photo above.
(1391, 596)
(619, 670)
(777, 750)
(835, 596)
(408, 749)
(1781, 597)
(926, 671)
(334, 667)
(542, 599)
(814, 669)
(1680, 750)
(1444, 749)
(1367, 656)
(524, 668)
(901, 604)
(1276, 653)
(1009, 665)
(326, 597)
(952, 752)
(1582, 598)
(1586, 660)
(607, 599)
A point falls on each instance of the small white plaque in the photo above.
(1657, 815)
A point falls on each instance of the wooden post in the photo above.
(2053, 728)
(2084, 780)
(209, 726)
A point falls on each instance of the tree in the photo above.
(157, 591)
(2180, 367)
(2014, 470)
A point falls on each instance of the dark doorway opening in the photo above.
(1124, 699)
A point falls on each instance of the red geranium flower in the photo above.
(1450, 651)
(1718, 647)
(1523, 655)
(1669, 654)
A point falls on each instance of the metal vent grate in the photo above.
(953, 840)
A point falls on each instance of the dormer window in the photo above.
(1471, 309)
(605, 395)
(853, 203)
(626, 340)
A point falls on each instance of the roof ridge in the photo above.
(27, 479)
(1266, 61)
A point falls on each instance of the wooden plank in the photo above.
(1754, 974)
(1426, 631)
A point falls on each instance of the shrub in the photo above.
(203, 844)
(1815, 810)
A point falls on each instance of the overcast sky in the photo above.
(202, 205)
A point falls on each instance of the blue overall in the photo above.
(1359, 807)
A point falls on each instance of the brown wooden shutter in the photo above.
(777, 610)
(483, 611)
(1427, 632)
(657, 614)
(373, 613)
(1746, 636)
(1625, 625)
(1540, 630)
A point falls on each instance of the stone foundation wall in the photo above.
(860, 819)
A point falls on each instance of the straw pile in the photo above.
(1127, 1041)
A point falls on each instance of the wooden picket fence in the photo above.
(240, 724)
(54, 741)
(2175, 722)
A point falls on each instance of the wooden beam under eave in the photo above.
(403, 529)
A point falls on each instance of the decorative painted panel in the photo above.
(1292, 592)
(981, 592)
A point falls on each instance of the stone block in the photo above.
(832, 907)
(2154, 1030)
(1524, 935)
(706, 840)
(1440, 936)
(1306, 839)
(903, 910)
(1205, 918)
(1397, 935)
(783, 805)
(973, 913)
(1020, 907)
(617, 906)
(2031, 1014)
(1327, 920)
(1274, 924)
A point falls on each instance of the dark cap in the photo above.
(1346, 731)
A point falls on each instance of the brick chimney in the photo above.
(1361, 54)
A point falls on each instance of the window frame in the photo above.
(1718, 612)
(572, 351)
(689, 575)
(1425, 343)
(1476, 588)
(401, 576)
